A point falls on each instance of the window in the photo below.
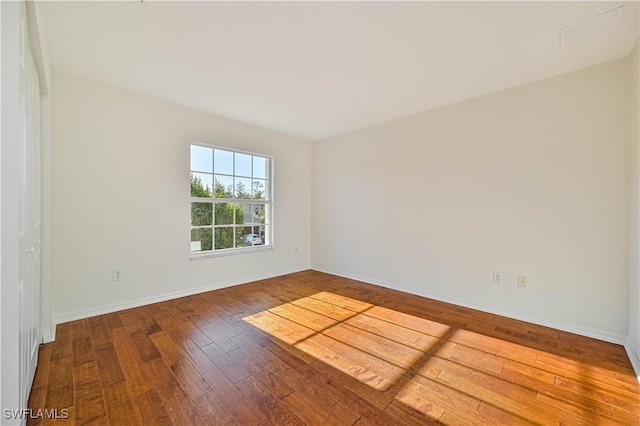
(231, 195)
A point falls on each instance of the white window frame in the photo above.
(267, 201)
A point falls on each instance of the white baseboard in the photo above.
(634, 356)
(105, 309)
(571, 328)
(49, 335)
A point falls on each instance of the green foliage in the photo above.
(203, 214)
(221, 191)
(258, 189)
(241, 191)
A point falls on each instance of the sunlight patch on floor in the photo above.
(372, 344)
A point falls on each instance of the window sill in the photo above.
(229, 252)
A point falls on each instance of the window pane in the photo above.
(224, 186)
(247, 213)
(257, 214)
(260, 169)
(223, 162)
(201, 239)
(243, 165)
(259, 188)
(224, 213)
(224, 238)
(201, 159)
(201, 185)
(248, 236)
(263, 231)
(243, 187)
(239, 212)
(241, 236)
(201, 214)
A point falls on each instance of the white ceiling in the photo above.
(316, 70)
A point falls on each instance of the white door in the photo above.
(30, 219)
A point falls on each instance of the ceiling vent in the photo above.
(590, 29)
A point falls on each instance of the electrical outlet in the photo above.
(117, 275)
(522, 281)
(497, 277)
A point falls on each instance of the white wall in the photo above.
(533, 180)
(633, 346)
(120, 200)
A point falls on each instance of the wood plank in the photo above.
(130, 321)
(60, 417)
(242, 410)
(314, 388)
(491, 415)
(213, 410)
(409, 415)
(432, 328)
(324, 308)
(377, 346)
(280, 328)
(63, 346)
(100, 334)
(570, 404)
(305, 409)
(268, 404)
(274, 381)
(371, 370)
(329, 390)
(624, 401)
(116, 394)
(169, 351)
(433, 399)
(120, 407)
(192, 331)
(130, 363)
(342, 301)
(477, 341)
(108, 366)
(151, 409)
(38, 394)
(230, 364)
(625, 417)
(86, 386)
(367, 393)
(147, 321)
(566, 366)
(82, 351)
(525, 375)
(477, 359)
(506, 396)
(145, 346)
(188, 377)
(216, 336)
(113, 320)
(60, 384)
(177, 403)
(304, 317)
(125, 414)
(397, 333)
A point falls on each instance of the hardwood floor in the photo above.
(311, 348)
